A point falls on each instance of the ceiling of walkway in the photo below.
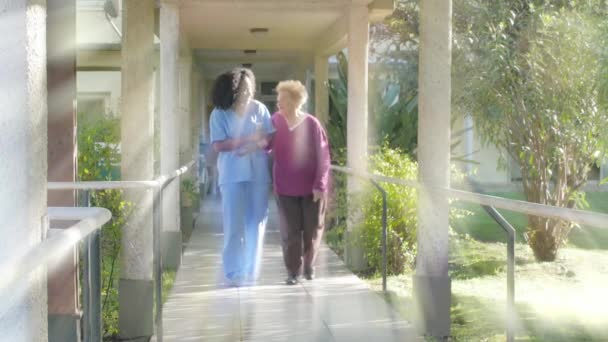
(220, 31)
(292, 25)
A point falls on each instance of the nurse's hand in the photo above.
(253, 138)
(247, 149)
(262, 143)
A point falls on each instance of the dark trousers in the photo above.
(302, 224)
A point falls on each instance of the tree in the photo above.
(393, 109)
(338, 99)
(529, 73)
(534, 74)
(394, 78)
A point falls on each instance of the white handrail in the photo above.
(74, 213)
(574, 215)
(56, 244)
(106, 185)
(89, 220)
(101, 185)
(158, 185)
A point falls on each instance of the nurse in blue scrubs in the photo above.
(240, 129)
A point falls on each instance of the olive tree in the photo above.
(531, 76)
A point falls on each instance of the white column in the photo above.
(137, 145)
(157, 135)
(205, 89)
(23, 171)
(170, 129)
(63, 297)
(157, 90)
(195, 113)
(431, 282)
(356, 139)
(185, 89)
(185, 150)
(321, 90)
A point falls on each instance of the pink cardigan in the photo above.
(301, 156)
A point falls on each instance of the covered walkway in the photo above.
(163, 107)
(337, 306)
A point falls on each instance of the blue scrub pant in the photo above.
(245, 211)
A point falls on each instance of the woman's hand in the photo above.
(317, 195)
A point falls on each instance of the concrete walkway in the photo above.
(337, 306)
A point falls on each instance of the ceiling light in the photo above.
(258, 31)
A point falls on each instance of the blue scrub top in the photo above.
(226, 124)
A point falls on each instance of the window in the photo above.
(515, 170)
(594, 173)
(271, 105)
(268, 87)
(267, 95)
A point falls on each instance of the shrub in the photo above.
(402, 217)
(98, 156)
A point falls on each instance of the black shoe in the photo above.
(291, 280)
(309, 275)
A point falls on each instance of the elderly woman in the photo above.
(240, 128)
(300, 174)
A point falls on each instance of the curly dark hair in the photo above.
(227, 87)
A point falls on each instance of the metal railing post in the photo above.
(384, 233)
(86, 289)
(95, 292)
(158, 265)
(91, 277)
(384, 218)
(511, 286)
(91, 287)
(84, 200)
(508, 228)
(510, 231)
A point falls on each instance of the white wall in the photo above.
(486, 171)
(101, 82)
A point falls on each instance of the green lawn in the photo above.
(561, 301)
(482, 227)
